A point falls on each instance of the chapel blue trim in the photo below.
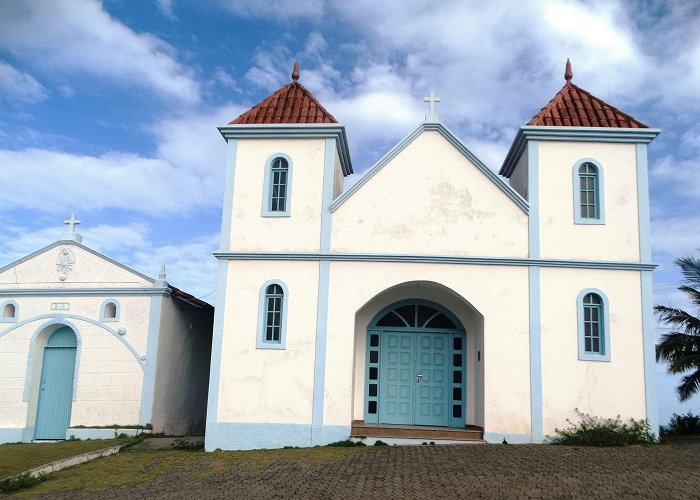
(643, 203)
(600, 192)
(649, 342)
(535, 327)
(267, 188)
(260, 342)
(150, 369)
(533, 189)
(604, 326)
(452, 139)
(210, 435)
(572, 134)
(436, 259)
(254, 436)
(92, 292)
(103, 310)
(15, 315)
(226, 217)
(294, 131)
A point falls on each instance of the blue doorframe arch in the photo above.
(423, 342)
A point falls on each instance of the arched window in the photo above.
(109, 310)
(278, 178)
(273, 315)
(594, 342)
(9, 311)
(588, 192)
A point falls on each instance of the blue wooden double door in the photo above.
(416, 374)
(56, 385)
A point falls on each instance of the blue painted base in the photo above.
(12, 435)
(252, 436)
(95, 433)
(497, 438)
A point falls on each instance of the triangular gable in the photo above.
(69, 243)
(458, 145)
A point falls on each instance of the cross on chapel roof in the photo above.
(70, 234)
(432, 99)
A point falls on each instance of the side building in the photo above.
(87, 343)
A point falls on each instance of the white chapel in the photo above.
(432, 299)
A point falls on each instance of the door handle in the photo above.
(419, 376)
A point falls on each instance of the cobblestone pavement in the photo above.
(479, 471)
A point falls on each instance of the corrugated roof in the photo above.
(293, 103)
(574, 107)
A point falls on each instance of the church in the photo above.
(433, 299)
(88, 344)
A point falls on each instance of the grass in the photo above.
(139, 466)
(16, 458)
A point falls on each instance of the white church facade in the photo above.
(432, 295)
(87, 343)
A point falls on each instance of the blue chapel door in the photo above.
(56, 386)
(414, 378)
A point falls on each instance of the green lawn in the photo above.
(16, 458)
(138, 466)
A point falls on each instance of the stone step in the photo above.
(360, 429)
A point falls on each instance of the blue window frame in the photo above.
(278, 183)
(9, 312)
(593, 326)
(588, 192)
(273, 315)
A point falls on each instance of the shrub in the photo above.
(184, 444)
(379, 442)
(346, 444)
(19, 482)
(684, 425)
(598, 431)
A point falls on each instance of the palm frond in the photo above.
(676, 345)
(678, 317)
(689, 386)
(690, 267)
(692, 293)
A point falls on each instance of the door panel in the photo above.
(55, 393)
(396, 379)
(432, 379)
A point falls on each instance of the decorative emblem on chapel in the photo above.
(70, 234)
(65, 263)
(431, 116)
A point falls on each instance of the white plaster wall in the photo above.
(182, 374)
(430, 199)
(560, 238)
(268, 385)
(605, 389)
(300, 232)
(498, 293)
(89, 270)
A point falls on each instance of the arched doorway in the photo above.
(415, 366)
(56, 385)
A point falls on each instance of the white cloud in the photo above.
(166, 8)
(18, 85)
(278, 10)
(79, 35)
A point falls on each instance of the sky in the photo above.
(109, 109)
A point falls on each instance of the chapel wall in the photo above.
(430, 200)
(600, 388)
(560, 238)
(298, 232)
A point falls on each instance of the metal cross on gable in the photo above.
(71, 223)
(431, 116)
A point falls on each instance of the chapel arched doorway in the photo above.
(415, 366)
(56, 385)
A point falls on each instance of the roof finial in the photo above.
(295, 72)
(568, 73)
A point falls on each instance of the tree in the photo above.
(681, 349)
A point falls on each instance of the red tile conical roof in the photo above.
(574, 107)
(293, 103)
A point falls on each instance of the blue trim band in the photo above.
(536, 420)
(226, 216)
(533, 190)
(253, 436)
(294, 131)
(572, 134)
(437, 259)
(450, 137)
(652, 406)
(149, 376)
(215, 368)
(60, 292)
(643, 204)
